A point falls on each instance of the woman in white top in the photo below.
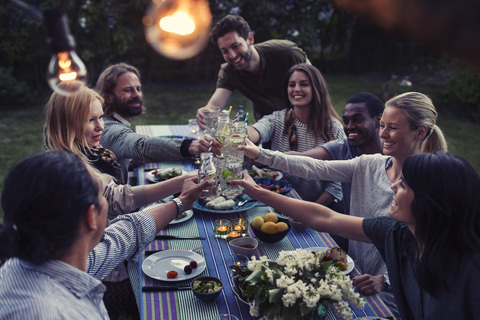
(310, 121)
(407, 127)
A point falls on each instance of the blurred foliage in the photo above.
(108, 31)
(463, 92)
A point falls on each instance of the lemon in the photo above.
(270, 216)
(257, 222)
(281, 226)
(269, 227)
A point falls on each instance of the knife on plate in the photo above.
(164, 237)
(162, 288)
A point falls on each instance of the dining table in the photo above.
(183, 304)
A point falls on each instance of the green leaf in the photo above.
(254, 277)
(275, 295)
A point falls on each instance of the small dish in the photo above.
(279, 186)
(244, 245)
(275, 237)
(205, 281)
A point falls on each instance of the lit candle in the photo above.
(233, 234)
(222, 228)
(238, 228)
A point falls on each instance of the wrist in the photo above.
(386, 281)
(180, 207)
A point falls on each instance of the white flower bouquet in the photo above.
(298, 285)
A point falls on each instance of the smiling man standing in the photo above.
(256, 70)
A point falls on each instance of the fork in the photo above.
(241, 203)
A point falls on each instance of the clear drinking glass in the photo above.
(231, 171)
(231, 141)
(194, 128)
(210, 116)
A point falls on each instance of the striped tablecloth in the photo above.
(182, 304)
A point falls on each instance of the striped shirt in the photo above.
(271, 127)
(57, 290)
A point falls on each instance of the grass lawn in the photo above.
(21, 127)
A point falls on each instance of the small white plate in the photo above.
(160, 263)
(188, 213)
(151, 175)
(350, 263)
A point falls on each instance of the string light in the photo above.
(65, 65)
(178, 29)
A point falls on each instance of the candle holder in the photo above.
(240, 225)
(233, 234)
(236, 260)
(222, 228)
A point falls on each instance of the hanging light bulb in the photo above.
(65, 65)
(178, 29)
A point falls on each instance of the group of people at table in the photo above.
(409, 208)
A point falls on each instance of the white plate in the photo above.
(200, 205)
(189, 213)
(160, 263)
(350, 263)
(151, 174)
(185, 218)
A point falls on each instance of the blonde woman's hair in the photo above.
(420, 111)
(63, 114)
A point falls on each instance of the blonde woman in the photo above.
(407, 127)
(75, 123)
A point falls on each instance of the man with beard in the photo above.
(257, 71)
(120, 86)
(361, 117)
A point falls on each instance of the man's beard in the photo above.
(123, 108)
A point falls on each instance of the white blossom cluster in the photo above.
(335, 286)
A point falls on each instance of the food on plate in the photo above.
(166, 174)
(172, 274)
(337, 254)
(187, 269)
(270, 216)
(183, 215)
(256, 172)
(268, 223)
(272, 187)
(220, 203)
(206, 287)
(193, 264)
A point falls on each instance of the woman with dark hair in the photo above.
(55, 239)
(407, 127)
(310, 121)
(430, 241)
(75, 123)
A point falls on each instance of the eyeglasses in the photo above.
(293, 138)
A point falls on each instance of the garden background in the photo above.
(352, 54)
